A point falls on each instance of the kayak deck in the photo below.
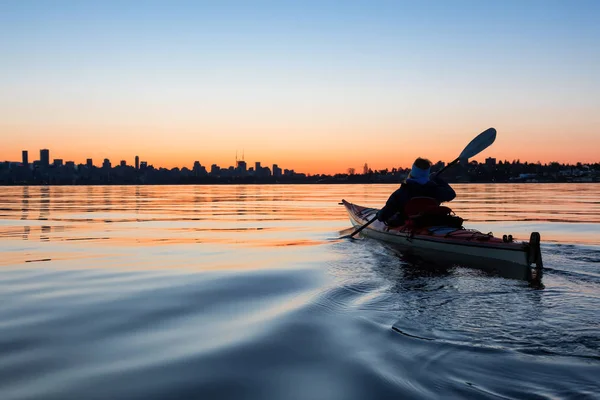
(465, 246)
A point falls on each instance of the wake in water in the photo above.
(234, 292)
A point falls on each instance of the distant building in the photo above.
(215, 170)
(276, 171)
(258, 170)
(137, 163)
(198, 169)
(25, 158)
(58, 162)
(106, 164)
(10, 164)
(45, 157)
(123, 163)
(490, 162)
(143, 165)
(70, 164)
(89, 163)
(241, 167)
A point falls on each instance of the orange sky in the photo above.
(320, 151)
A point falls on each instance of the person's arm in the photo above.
(394, 204)
(444, 192)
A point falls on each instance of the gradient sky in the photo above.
(318, 86)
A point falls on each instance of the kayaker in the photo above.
(417, 184)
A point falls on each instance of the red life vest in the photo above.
(426, 211)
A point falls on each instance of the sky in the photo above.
(314, 86)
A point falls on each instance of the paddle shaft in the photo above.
(447, 166)
(361, 228)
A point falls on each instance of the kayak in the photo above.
(469, 247)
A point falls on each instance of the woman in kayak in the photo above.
(417, 184)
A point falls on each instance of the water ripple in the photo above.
(236, 292)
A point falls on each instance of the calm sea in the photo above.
(243, 292)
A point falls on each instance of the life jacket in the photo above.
(418, 205)
(426, 211)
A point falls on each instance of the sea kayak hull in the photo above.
(462, 246)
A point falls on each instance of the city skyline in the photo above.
(42, 172)
(45, 160)
(321, 86)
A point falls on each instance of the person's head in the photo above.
(420, 170)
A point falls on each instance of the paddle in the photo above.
(477, 145)
(359, 229)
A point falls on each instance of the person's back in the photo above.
(417, 185)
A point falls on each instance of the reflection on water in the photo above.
(148, 292)
(562, 212)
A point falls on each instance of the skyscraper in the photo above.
(89, 163)
(257, 169)
(25, 158)
(241, 167)
(137, 163)
(45, 157)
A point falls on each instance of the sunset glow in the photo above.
(311, 86)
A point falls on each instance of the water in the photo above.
(160, 292)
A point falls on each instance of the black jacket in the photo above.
(436, 188)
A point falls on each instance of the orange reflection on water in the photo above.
(83, 220)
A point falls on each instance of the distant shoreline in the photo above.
(277, 183)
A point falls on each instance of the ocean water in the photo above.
(245, 292)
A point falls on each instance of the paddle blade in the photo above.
(480, 143)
